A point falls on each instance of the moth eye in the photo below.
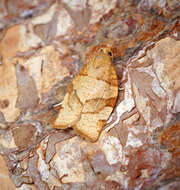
(110, 53)
(101, 50)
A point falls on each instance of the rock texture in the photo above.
(43, 46)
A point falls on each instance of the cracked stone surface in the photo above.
(43, 46)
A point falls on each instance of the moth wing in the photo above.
(70, 110)
(91, 124)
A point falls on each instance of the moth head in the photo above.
(107, 51)
(103, 57)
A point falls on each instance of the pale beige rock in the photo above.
(7, 140)
(45, 169)
(8, 91)
(27, 187)
(45, 17)
(64, 23)
(68, 161)
(16, 39)
(46, 69)
(167, 65)
(5, 181)
(99, 8)
(131, 119)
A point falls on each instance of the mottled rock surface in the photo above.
(43, 46)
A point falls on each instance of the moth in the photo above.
(91, 97)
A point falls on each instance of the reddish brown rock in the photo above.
(24, 135)
(170, 139)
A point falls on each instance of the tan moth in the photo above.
(91, 97)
